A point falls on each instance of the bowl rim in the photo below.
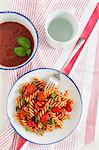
(2, 67)
(80, 100)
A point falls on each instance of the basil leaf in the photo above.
(28, 52)
(50, 107)
(24, 42)
(20, 51)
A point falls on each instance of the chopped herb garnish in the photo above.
(34, 82)
(20, 91)
(23, 101)
(27, 129)
(41, 132)
(16, 108)
(36, 119)
(54, 99)
(51, 121)
(53, 95)
(50, 107)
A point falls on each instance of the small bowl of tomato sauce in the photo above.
(18, 40)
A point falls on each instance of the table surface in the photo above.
(6, 5)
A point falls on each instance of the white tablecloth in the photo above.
(6, 5)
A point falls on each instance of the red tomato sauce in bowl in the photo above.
(9, 33)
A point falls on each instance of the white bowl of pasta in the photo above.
(44, 117)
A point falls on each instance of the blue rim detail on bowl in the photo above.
(80, 99)
(25, 63)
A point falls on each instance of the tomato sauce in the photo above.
(9, 33)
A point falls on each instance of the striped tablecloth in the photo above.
(85, 69)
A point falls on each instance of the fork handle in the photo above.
(78, 45)
(76, 48)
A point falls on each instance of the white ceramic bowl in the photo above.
(7, 16)
(57, 134)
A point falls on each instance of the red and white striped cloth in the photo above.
(85, 73)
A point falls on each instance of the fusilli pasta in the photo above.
(40, 110)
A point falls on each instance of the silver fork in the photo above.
(55, 78)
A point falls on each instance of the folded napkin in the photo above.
(84, 73)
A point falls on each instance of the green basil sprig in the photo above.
(24, 42)
(24, 47)
(19, 51)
